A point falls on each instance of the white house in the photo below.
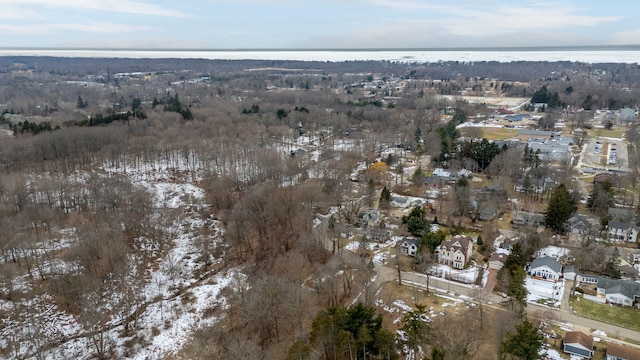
(408, 246)
(619, 292)
(570, 273)
(618, 231)
(546, 268)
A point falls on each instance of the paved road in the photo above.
(565, 317)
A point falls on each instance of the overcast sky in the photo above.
(303, 24)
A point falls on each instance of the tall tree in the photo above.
(416, 222)
(524, 344)
(561, 206)
(415, 328)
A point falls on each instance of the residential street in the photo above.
(563, 317)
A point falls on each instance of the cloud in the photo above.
(430, 34)
(118, 6)
(465, 24)
(629, 37)
(98, 27)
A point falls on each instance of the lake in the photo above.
(630, 55)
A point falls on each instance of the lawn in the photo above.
(492, 133)
(625, 317)
(612, 133)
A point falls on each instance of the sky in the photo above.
(316, 24)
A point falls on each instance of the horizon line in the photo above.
(477, 48)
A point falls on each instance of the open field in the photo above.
(490, 133)
(612, 133)
(625, 317)
(507, 102)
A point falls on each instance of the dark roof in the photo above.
(464, 242)
(550, 262)
(409, 241)
(578, 337)
(488, 211)
(620, 214)
(623, 352)
(615, 224)
(602, 177)
(431, 180)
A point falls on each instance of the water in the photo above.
(629, 54)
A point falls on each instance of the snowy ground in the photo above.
(496, 246)
(381, 251)
(554, 252)
(466, 276)
(172, 301)
(543, 292)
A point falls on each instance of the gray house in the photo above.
(578, 224)
(619, 292)
(523, 218)
(578, 343)
(621, 214)
(408, 246)
(379, 235)
(546, 268)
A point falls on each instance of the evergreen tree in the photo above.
(339, 330)
(415, 328)
(561, 206)
(416, 222)
(385, 198)
(525, 343)
(417, 176)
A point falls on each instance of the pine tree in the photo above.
(561, 206)
(524, 343)
(385, 198)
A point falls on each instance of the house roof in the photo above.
(578, 221)
(615, 224)
(529, 216)
(578, 337)
(430, 180)
(498, 257)
(622, 352)
(408, 241)
(602, 177)
(547, 261)
(620, 214)
(622, 290)
(614, 286)
(440, 172)
(569, 269)
(488, 211)
(379, 231)
(458, 242)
